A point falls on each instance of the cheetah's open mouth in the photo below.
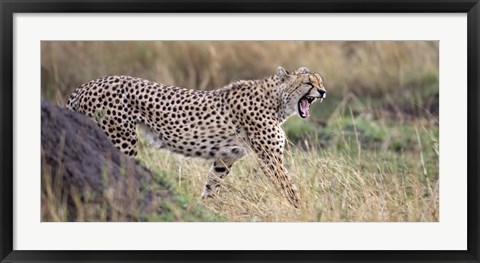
(304, 106)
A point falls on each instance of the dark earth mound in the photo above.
(81, 167)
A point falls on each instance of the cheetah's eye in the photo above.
(309, 83)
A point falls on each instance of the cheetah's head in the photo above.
(300, 89)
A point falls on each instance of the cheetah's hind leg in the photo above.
(122, 133)
(219, 170)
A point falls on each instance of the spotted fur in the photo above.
(219, 124)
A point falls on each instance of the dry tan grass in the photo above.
(375, 67)
(332, 188)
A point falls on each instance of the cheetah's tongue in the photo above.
(304, 107)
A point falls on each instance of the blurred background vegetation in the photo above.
(369, 152)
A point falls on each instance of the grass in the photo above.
(374, 68)
(333, 187)
(119, 201)
(369, 152)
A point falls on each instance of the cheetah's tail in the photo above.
(72, 103)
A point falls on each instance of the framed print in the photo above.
(239, 131)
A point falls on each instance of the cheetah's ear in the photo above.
(303, 70)
(281, 73)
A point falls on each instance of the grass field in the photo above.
(369, 152)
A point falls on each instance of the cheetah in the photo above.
(219, 124)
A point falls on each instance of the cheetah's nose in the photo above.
(323, 93)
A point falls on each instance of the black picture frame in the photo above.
(10, 7)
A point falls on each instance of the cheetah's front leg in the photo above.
(220, 169)
(271, 161)
(275, 170)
